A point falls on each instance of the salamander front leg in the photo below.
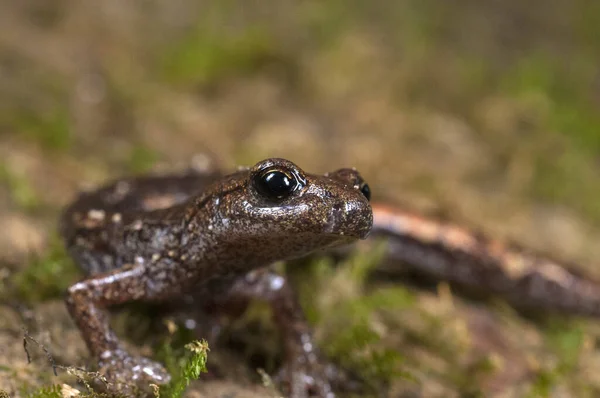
(303, 373)
(87, 302)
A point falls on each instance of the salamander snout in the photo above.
(351, 213)
(350, 217)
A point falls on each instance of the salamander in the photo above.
(154, 238)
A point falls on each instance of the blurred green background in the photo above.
(485, 112)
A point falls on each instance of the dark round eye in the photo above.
(366, 191)
(275, 184)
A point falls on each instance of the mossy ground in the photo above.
(485, 113)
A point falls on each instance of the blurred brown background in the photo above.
(485, 112)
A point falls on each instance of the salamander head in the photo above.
(276, 204)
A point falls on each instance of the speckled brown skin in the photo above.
(156, 238)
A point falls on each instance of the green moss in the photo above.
(35, 102)
(208, 55)
(51, 129)
(568, 143)
(327, 20)
(353, 341)
(183, 368)
(340, 306)
(141, 159)
(474, 374)
(565, 174)
(54, 391)
(20, 189)
(566, 91)
(587, 15)
(564, 338)
(45, 277)
(474, 74)
(543, 384)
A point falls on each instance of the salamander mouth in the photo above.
(342, 235)
(333, 240)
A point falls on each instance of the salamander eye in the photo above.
(366, 191)
(275, 184)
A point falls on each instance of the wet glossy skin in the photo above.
(153, 239)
